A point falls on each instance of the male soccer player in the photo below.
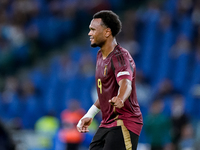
(115, 81)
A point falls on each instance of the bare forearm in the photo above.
(97, 104)
(124, 89)
(124, 92)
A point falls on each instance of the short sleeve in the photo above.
(122, 66)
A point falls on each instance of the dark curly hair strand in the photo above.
(110, 20)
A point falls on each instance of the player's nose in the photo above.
(89, 33)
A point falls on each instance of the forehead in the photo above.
(95, 23)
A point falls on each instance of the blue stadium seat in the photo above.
(181, 71)
(163, 63)
(195, 78)
(149, 41)
(85, 93)
(31, 111)
(170, 6)
(186, 27)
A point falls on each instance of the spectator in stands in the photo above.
(69, 119)
(46, 127)
(178, 117)
(165, 89)
(187, 141)
(157, 126)
(128, 37)
(184, 7)
(182, 46)
(196, 13)
(144, 92)
(8, 98)
(197, 44)
(6, 141)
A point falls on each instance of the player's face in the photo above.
(97, 33)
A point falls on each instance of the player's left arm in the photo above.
(125, 88)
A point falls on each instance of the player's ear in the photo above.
(108, 32)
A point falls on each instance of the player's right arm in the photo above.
(86, 120)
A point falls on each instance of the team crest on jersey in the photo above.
(105, 70)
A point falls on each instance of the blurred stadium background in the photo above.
(46, 63)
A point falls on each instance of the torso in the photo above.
(118, 65)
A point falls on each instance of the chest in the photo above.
(104, 70)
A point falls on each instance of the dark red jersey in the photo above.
(118, 65)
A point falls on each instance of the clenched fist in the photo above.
(117, 102)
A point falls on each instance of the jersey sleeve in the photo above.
(122, 66)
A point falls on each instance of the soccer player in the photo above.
(115, 81)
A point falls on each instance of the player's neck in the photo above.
(108, 47)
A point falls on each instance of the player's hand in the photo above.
(85, 123)
(117, 102)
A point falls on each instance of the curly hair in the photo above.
(110, 20)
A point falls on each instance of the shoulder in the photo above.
(120, 51)
(120, 54)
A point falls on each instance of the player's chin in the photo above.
(94, 45)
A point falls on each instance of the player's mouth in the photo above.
(91, 38)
